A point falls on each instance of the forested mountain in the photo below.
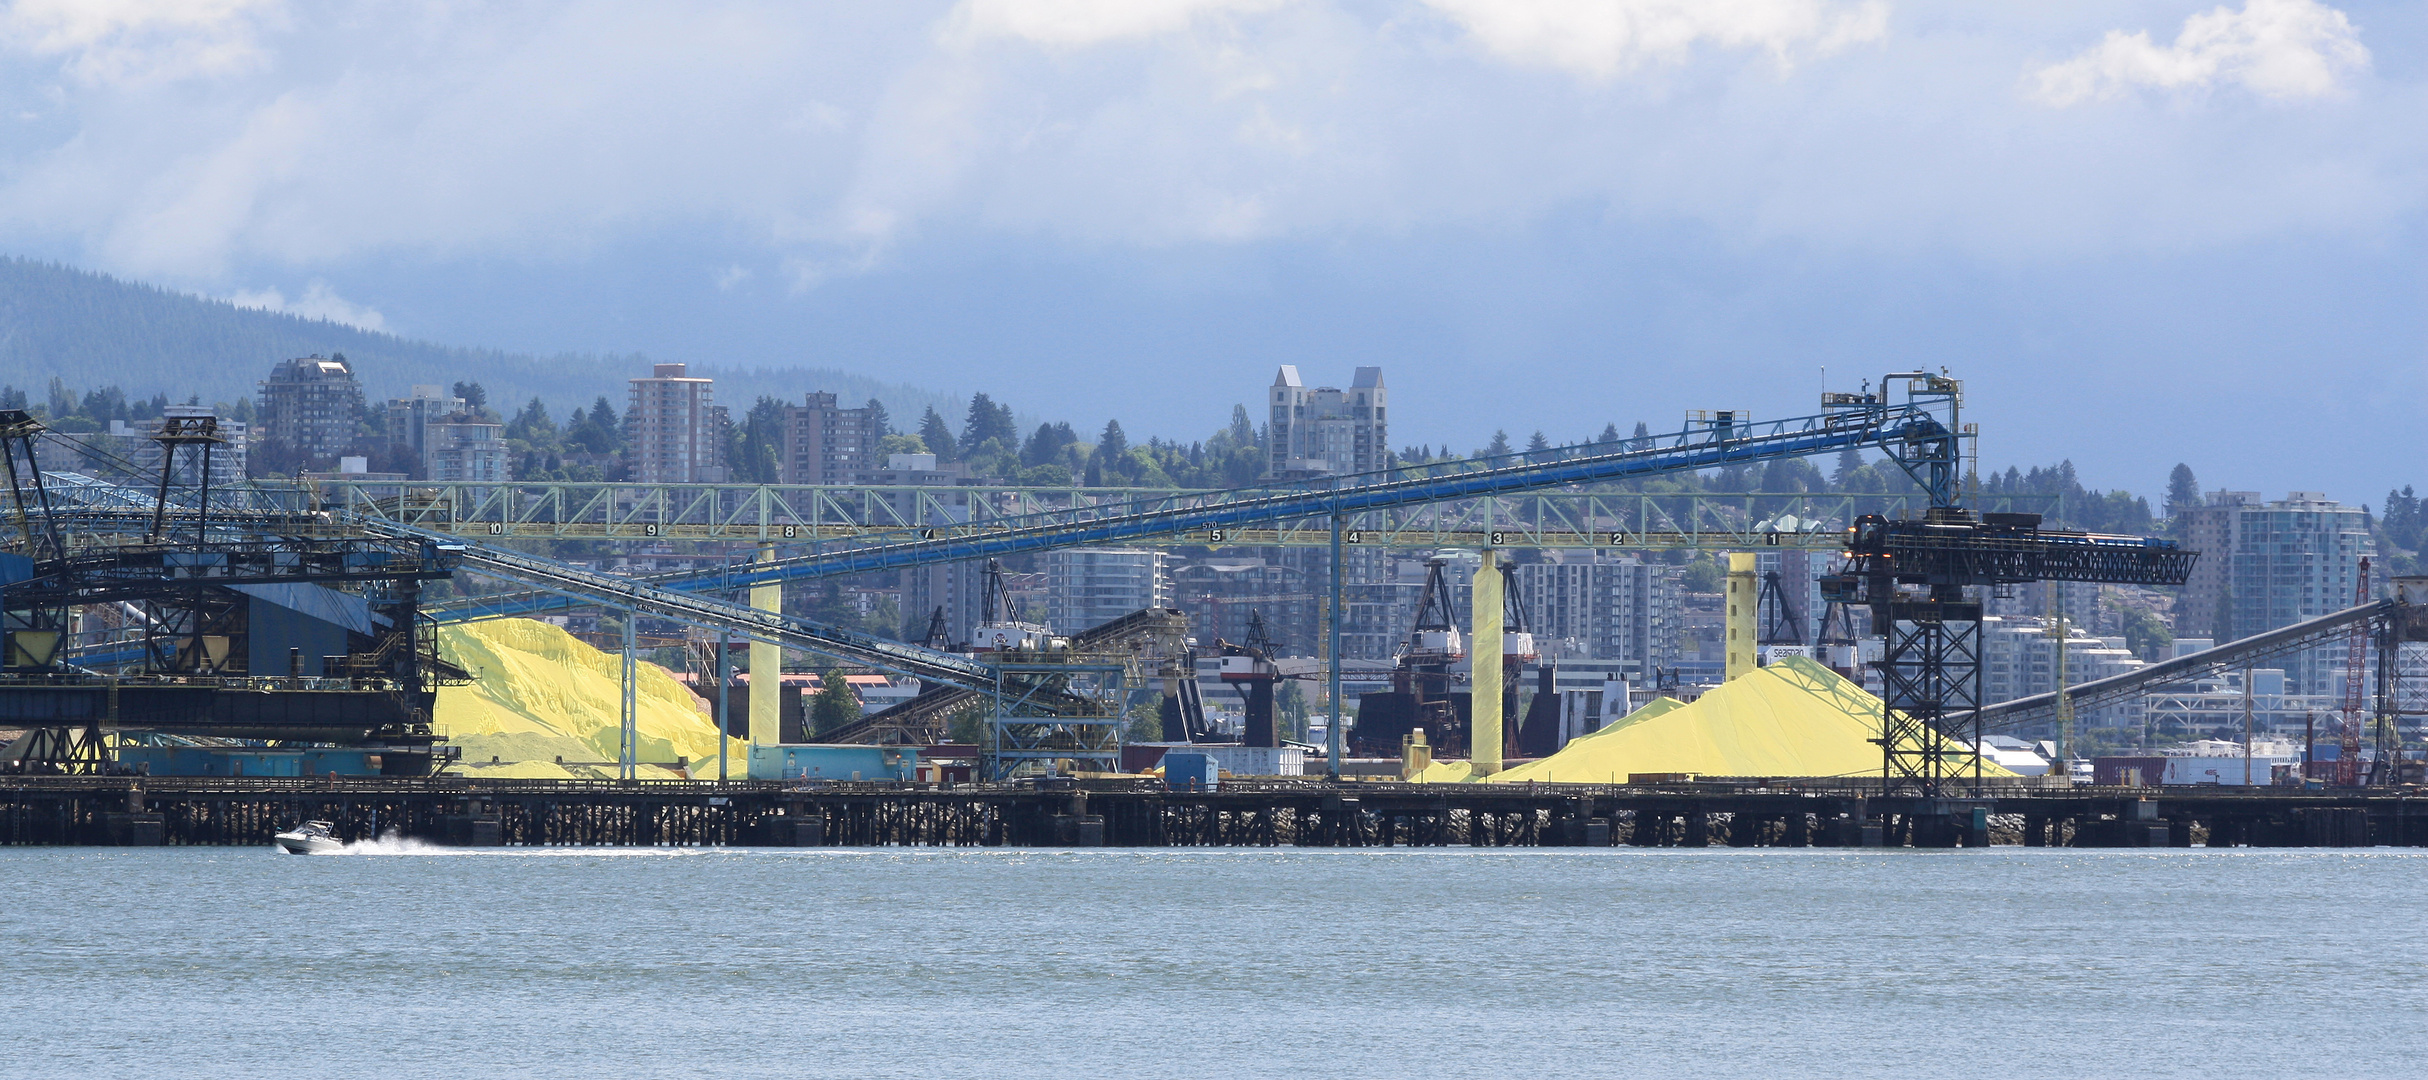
(94, 331)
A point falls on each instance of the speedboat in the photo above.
(311, 838)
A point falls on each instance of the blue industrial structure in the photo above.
(1913, 418)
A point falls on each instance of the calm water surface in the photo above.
(732, 963)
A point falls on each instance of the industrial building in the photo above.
(1046, 707)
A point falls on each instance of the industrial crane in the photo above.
(1917, 578)
(2348, 757)
(1419, 698)
(243, 636)
(1249, 668)
(1913, 418)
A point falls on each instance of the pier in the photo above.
(149, 811)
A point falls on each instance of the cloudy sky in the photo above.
(2143, 231)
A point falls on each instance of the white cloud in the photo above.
(1604, 38)
(818, 142)
(1085, 22)
(2284, 49)
(318, 301)
(118, 41)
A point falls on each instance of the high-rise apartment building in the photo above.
(958, 589)
(1088, 587)
(1325, 430)
(1615, 606)
(465, 448)
(826, 444)
(2019, 659)
(1225, 595)
(2200, 609)
(2264, 565)
(410, 417)
(309, 409)
(451, 442)
(674, 432)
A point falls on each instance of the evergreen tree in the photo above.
(1242, 431)
(987, 420)
(1290, 711)
(2403, 523)
(1850, 461)
(835, 704)
(531, 424)
(2183, 492)
(1498, 447)
(1112, 444)
(754, 447)
(1045, 446)
(936, 437)
(597, 431)
(880, 424)
(1538, 446)
(1610, 435)
(474, 397)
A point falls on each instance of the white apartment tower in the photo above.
(673, 430)
(1325, 430)
(2266, 565)
(1088, 587)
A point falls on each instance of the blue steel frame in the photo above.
(1918, 440)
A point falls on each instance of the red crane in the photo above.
(2348, 759)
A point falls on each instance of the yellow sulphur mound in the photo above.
(1791, 718)
(540, 694)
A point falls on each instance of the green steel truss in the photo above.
(852, 516)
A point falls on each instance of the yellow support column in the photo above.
(1743, 598)
(1484, 665)
(766, 667)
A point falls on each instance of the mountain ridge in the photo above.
(93, 330)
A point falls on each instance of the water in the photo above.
(402, 961)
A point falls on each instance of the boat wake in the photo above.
(393, 844)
